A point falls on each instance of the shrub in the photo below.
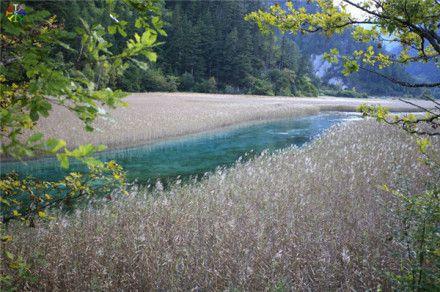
(131, 80)
(260, 86)
(207, 86)
(305, 87)
(230, 90)
(173, 83)
(155, 80)
(186, 82)
(282, 81)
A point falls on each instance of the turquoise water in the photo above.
(196, 155)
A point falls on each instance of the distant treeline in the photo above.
(209, 47)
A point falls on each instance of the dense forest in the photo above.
(210, 47)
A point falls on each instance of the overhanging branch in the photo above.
(402, 83)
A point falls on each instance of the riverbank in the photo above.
(153, 117)
(313, 218)
(197, 154)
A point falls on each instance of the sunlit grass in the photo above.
(311, 218)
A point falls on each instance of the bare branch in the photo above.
(418, 106)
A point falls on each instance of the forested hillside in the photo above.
(210, 47)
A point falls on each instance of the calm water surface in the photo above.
(196, 155)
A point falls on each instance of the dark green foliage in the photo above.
(282, 80)
(186, 82)
(132, 79)
(204, 39)
(136, 79)
(155, 80)
(209, 86)
(230, 90)
(260, 86)
(211, 39)
(305, 87)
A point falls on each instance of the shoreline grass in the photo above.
(310, 218)
(153, 117)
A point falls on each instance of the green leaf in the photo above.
(34, 115)
(66, 46)
(122, 31)
(64, 160)
(111, 29)
(92, 162)
(138, 23)
(152, 56)
(55, 144)
(35, 137)
(137, 37)
(100, 147)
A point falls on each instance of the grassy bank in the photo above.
(150, 117)
(311, 218)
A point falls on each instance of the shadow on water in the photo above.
(194, 156)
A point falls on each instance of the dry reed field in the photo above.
(313, 218)
(154, 116)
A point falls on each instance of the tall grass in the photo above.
(311, 218)
(152, 116)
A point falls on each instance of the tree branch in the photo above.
(429, 35)
(418, 106)
(351, 22)
(400, 82)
